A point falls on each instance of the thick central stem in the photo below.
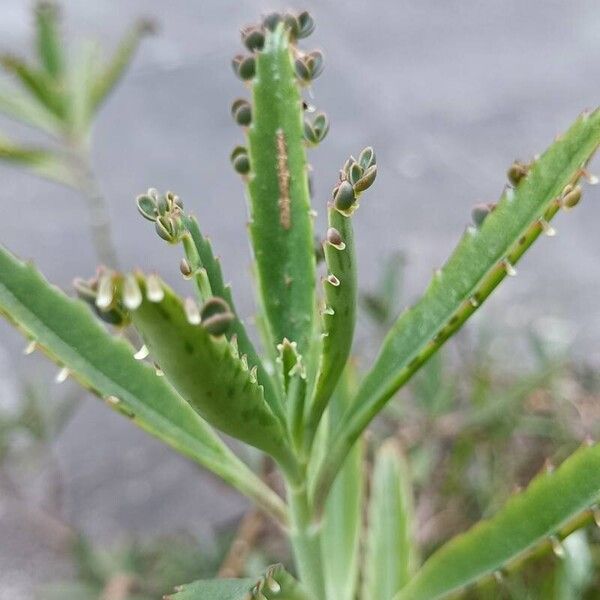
(305, 536)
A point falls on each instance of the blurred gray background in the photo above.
(449, 93)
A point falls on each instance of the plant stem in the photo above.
(98, 213)
(305, 537)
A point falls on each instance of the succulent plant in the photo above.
(299, 401)
(59, 95)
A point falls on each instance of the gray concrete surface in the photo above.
(449, 93)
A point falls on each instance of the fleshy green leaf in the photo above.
(111, 74)
(66, 330)
(16, 105)
(390, 554)
(276, 584)
(219, 288)
(49, 44)
(339, 313)
(480, 262)
(342, 523)
(38, 83)
(280, 223)
(81, 76)
(207, 371)
(40, 161)
(552, 505)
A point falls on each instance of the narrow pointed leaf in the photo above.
(280, 224)
(205, 371)
(111, 73)
(40, 161)
(276, 584)
(552, 505)
(38, 83)
(80, 80)
(69, 334)
(16, 105)
(339, 314)
(49, 44)
(480, 262)
(390, 554)
(219, 288)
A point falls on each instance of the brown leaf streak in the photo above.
(283, 174)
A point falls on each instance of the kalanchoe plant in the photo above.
(300, 402)
(59, 94)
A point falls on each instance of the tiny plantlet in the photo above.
(197, 371)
